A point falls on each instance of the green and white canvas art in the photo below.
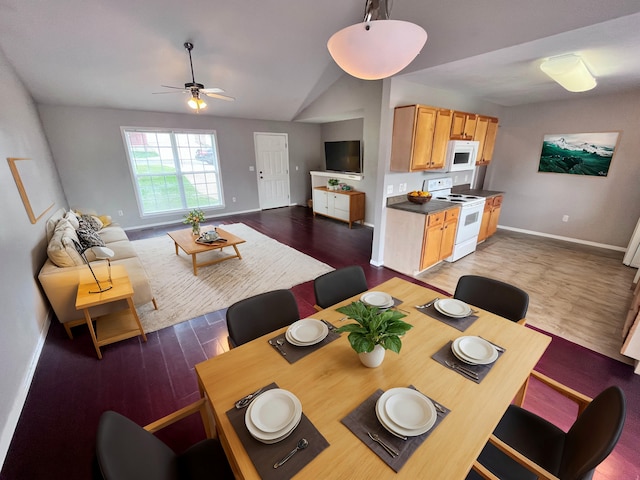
(578, 153)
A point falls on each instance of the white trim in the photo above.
(21, 396)
(566, 239)
(171, 222)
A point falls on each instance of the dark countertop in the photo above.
(481, 193)
(432, 206)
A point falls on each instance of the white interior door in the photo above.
(272, 166)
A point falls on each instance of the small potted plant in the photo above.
(194, 218)
(376, 330)
(333, 183)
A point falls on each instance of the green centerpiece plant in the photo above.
(194, 218)
(376, 330)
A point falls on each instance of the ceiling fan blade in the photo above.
(220, 97)
(169, 86)
(211, 90)
(160, 93)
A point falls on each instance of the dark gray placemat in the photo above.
(295, 353)
(446, 354)
(264, 455)
(459, 323)
(363, 419)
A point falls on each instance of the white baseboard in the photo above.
(566, 239)
(170, 222)
(21, 396)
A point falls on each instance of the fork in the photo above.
(376, 438)
(428, 304)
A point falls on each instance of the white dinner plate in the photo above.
(377, 299)
(307, 331)
(452, 308)
(296, 343)
(389, 424)
(409, 409)
(274, 410)
(474, 350)
(277, 408)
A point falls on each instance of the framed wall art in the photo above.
(32, 190)
(578, 153)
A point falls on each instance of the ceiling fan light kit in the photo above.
(195, 89)
(570, 72)
(378, 47)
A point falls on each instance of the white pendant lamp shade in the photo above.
(570, 72)
(376, 49)
(196, 102)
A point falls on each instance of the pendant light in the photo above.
(196, 102)
(378, 47)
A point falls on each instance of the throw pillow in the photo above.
(72, 219)
(91, 222)
(105, 219)
(61, 249)
(88, 237)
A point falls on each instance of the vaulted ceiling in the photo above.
(272, 56)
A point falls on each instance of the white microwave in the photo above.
(461, 155)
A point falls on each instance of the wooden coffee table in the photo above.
(186, 240)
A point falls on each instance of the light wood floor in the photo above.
(578, 292)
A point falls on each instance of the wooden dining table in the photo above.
(331, 382)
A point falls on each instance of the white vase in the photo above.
(374, 358)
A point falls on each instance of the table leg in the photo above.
(195, 265)
(176, 244)
(237, 252)
(92, 332)
(132, 307)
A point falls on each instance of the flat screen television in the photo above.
(344, 156)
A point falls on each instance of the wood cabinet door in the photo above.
(486, 215)
(423, 140)
(489, 142)
(493, 221)
(479, 134)
(470, 126)
(448, 237)
(432, 240)
(441, 135)
(457, 125)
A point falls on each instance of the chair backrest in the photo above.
(593, 435)
(126, 451)
(493, 295)
(258, 315)
(336, 286)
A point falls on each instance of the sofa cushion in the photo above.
(52, 221)
(73, 219)
(112, 233)
(62, 246)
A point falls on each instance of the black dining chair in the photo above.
(494, 296)
(525, 446)
(338, 285)
(258, 315)
(127, 451)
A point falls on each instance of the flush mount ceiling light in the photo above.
(570, 72)
(378, 47)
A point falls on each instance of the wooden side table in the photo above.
(115, 326)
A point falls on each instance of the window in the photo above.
(174, 170)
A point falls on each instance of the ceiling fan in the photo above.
(196, 89)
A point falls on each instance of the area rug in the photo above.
(266, 265)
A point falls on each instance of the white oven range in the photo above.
(471, 210)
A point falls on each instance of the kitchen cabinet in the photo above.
(415, 241)
(490, 216)
(345, 205)
(463, 126)
(420, 137)
(440, 234)
(485, 133)
(631, 330)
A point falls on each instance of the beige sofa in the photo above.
(65, 269)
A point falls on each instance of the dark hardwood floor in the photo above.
(55, 437)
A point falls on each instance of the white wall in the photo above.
(602, 210)
(23, 320)
(351, 98)
(90, 155)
